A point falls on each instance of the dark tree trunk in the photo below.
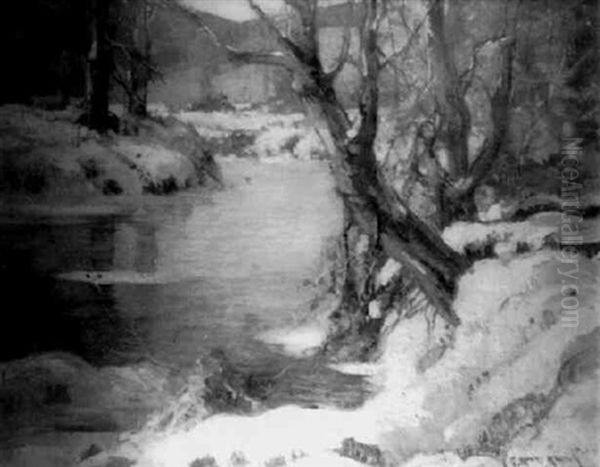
(351, 317)
(139, 74)
(100, 67)
(582, 61)
(138, 101)
(456, 196)
(373, 206)
(450, 99)
(455, 125)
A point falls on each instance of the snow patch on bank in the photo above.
(266, 136)
(300, 341)
(225, 122)
(389, 270)
(505, 236)
(48, 154)
(157, 163)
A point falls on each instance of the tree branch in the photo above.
(451, 104)
(500, 113)
(274, 58)
(344, 51)
(307, 9)
(290, 45)
(413, 35)
(136, 58)
(369, 97)
(118, 77)
(500, 109)
(466, 77)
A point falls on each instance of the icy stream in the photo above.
(183, 275)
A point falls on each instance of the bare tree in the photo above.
(133, 47)
(100, 66)
(371, 206)
(451, 86)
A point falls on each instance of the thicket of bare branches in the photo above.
(454, 75)
(371, 205)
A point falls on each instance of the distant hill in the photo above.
(178, 39)
(187, 57)
(194, 67)
(332, 16)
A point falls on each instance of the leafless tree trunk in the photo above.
(463, 177)
(139, 72)
(100, 63)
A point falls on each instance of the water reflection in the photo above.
(230, 267)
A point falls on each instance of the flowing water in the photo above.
(180, 276)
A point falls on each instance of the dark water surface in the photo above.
(216, 270)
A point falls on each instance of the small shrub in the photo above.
(207, 461)
(52, 102)
(113, 122)
(369, 454)
(90, 168)
(111, 187)
(290, 144)
(240, 141)
(163, 187)
(57, 394)
(211, 103)
(276, 462)
(238, 460)
(34, 180)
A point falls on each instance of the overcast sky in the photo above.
(236, 10)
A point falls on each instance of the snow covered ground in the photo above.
(516, 378)
(266, 136)
(47, 154)
(504, 236)
(247, 120)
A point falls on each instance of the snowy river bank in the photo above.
(116, 312)
(157, 289)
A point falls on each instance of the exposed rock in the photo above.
(111, 187)
(276, 462)
(238, 460)
(505, 425)
(580, 359)
(118, 461)
(207, 461)
(365, 453)
(227, 389)
(93, 450)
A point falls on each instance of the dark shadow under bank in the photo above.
(40, 313)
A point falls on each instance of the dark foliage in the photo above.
(43, 44)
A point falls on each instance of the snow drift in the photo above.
(48, 154)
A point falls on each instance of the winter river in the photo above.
(180, 276)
